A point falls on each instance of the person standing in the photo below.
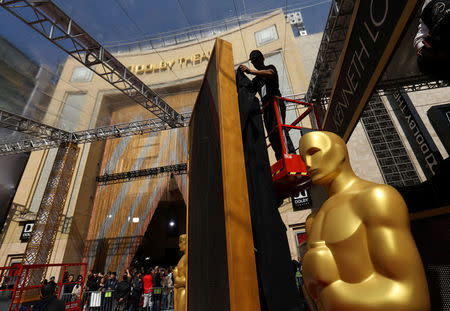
(122, 293)
(110, 287)
(111, 284)
(170, 297)
(267, 85)
(52, 282)
(148, 285)
(92, 284)
(76, 291)
(167, 284)
(136, 292)
(48, 301)
(101, 285)
(67, 288)
(157, 290)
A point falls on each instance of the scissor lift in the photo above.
(289, 174)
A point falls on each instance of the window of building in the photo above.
(301, 236)
(300, 241)
(393, 160)
(14, 259)
(81, 74)
(70, 114)
(266, 35)
(10, 276)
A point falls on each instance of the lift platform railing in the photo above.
(17, 290)
(289, 173)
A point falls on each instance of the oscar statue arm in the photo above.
(308, 222)
(180, 281)
(398, 279)
(319, 268)
(178, 275)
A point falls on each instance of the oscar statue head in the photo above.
(325, 156)
(182, 243)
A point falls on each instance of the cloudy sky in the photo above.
(115, 22)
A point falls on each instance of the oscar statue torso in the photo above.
(179, 274)
(361, 254)
(341, 228)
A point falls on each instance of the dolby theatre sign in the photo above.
(181, 62)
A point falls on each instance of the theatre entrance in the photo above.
(159, 245)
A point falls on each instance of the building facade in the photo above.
(25, 87)
(109, 224)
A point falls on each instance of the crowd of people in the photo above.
(137, 289)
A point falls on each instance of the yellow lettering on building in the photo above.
(196, 58)
(183, 62)
(139, 69)
(206, 56)
(148, 68)
(170, 64)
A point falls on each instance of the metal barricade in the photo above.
(158, 299)
(163, 296)
(99, 301)
(17, 289)
(9, 277)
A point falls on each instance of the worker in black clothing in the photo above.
(267, 85)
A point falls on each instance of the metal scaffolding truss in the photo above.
(21, 124)
(177, 169)
(47, 137)
(332, 43)
(419, 86)
(50, 137)
(52, 23)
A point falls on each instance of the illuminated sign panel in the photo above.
(26, 231)
(301, 201)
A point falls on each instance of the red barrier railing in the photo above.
(22, 283)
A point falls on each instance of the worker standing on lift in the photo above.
(267, 85)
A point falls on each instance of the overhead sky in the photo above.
(115, 22)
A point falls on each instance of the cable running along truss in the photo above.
(52, 23)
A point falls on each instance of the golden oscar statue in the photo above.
(179, 274)
(361, 254)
